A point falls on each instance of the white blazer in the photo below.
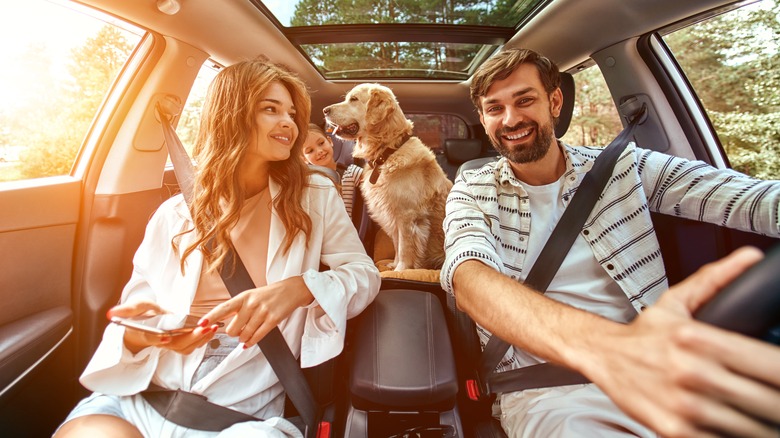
(244, 381)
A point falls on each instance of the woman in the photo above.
(253, 192)
(318, 150)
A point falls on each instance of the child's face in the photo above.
(318, 150)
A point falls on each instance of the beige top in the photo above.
(250, 237)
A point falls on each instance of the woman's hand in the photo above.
(257, 311)
(137, 340)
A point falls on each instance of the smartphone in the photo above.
(167, 324)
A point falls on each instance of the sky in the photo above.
(283, 9)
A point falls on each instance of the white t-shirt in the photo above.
(580, 281)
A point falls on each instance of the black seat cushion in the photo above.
(402, 355)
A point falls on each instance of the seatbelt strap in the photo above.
(276, 350)
(191, 410)
(273, 345)
(558, 246)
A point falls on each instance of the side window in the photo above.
(733, 62)
(595, 120)
(59, 65)
(433, 129)
(189, 122)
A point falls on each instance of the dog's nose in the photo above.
(326, 110)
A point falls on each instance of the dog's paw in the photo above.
(400, 267)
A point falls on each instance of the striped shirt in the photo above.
(488, 216)
(350, 181)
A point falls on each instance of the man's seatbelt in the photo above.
(543, 271)
(273, 345)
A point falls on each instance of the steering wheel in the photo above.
(749, 305)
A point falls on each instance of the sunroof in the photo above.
(394, 39)
(408, 60)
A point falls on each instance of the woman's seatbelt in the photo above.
(273, 345)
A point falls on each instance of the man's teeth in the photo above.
(519, 136)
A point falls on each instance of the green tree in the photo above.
(56, 131)
(595, 121)
(415, 57)
(733, 63)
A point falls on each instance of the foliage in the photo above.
(416, 57)
(53, 122)
(595, 121)
(733, 62)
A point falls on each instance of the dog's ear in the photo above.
(380, 106)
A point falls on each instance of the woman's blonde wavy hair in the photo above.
(226, 126)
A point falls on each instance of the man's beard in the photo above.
(525, 154)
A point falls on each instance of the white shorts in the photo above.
(566, 411)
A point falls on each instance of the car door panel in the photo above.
(37, 235)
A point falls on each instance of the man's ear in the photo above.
(556, 102)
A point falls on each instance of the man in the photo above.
(671, 374)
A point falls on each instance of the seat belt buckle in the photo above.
(472, 389)
(477, 391)
(323, 429)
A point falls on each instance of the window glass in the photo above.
(733, 63)
(595, 120)
(59, 64)
(433, 129)
(187, 127)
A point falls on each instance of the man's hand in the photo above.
(685, 378)
(257, 311)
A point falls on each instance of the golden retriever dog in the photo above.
(403, 186)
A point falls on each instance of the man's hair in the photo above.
(504, 64)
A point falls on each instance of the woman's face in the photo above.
(318, 150)
(275, 130)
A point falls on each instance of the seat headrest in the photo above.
(567, 89)
(342, 151)
(460, 150)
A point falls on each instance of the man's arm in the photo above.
(678, 376)
(524, 317)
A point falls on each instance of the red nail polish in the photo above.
(246, 346)
(203, 322)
